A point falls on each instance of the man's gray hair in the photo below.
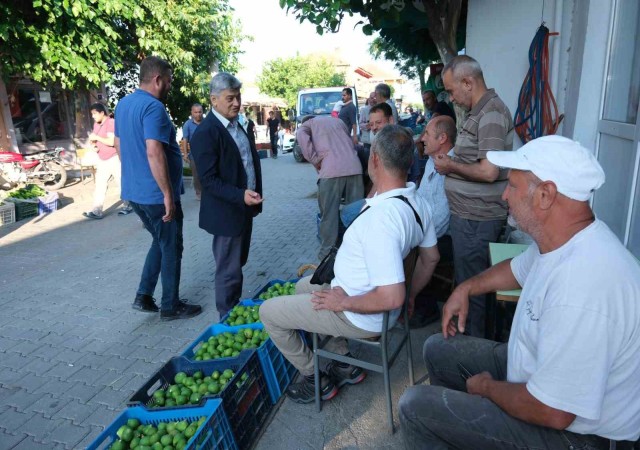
(222, 81)
(384, 90)
(463, 66)
(394, 145)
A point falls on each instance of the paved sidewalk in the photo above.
(72, 350)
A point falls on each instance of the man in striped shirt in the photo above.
(473, 185)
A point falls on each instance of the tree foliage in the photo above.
(284, 77)
(411, 67)
(81, 43)
(424, 29)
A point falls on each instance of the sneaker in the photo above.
(145, 303)
(345, 375)
(305, 391)
(92, 215)
(125, 211)
(181, 311)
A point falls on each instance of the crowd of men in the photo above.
(567, 377)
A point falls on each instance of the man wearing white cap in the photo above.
(568, 378)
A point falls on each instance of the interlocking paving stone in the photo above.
(48, 405)
(8, 441)
(68, 335)
(67, 433)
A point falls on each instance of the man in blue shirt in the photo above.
(188, 129)
(145, 140)
(439, 139)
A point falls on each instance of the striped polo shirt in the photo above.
(488, 126)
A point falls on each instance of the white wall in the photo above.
(499, 33)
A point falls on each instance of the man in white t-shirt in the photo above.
(369, 274)
(568, 377)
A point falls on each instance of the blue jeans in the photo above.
(165, 255)
(350, 211)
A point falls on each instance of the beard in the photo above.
(512, 222)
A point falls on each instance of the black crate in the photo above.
(247, 406)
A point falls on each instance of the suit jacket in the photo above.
(223, 178)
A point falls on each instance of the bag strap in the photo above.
(404, 199)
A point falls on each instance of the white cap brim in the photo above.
(508, 160)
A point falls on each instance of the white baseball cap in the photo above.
(572, 168)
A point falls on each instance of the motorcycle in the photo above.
(44, 169)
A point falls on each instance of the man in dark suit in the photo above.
(231, 181)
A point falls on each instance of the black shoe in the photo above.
(145, 303)
(345, 375)
(181, 311)
(304, 391)
(125, 211)
(421, 320)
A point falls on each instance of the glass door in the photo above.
(617, 202)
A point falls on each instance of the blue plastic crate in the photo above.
(269, 284)
(278, 371)
(248, 302)
(215, 433)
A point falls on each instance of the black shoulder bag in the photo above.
(324, 273)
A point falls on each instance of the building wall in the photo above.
(499, 33)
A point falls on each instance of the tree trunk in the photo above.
(421, 71)
(443, 17)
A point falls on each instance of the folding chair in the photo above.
(388, 356)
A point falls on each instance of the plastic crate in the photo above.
(246, 406)
(215, 433)
(25, 208)
(268, 285)
(7, 213)
(277, 370)
(241, 303)
(48, 203)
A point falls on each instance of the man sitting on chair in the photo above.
(369, 274)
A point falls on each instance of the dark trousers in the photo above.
(196, 179)
(164, 258)
(330, 192)
(273, 138)
(231, 254)
(470, 257)
(427, 300)
(443, 416)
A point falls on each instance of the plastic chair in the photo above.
(388, 356)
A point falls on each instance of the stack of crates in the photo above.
(234, 414)
(7, 213)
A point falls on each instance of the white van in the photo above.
(319, 102)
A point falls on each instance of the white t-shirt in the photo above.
(575, 339)
(375, 245)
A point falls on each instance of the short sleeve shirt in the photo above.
(375, 245)
(141, 116)
(575, 338)
(348, 115)
(488, 126)
(103, 130)
(188, 129)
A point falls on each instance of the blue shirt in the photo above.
(188, 129)
(141, 116)
(432, 189)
